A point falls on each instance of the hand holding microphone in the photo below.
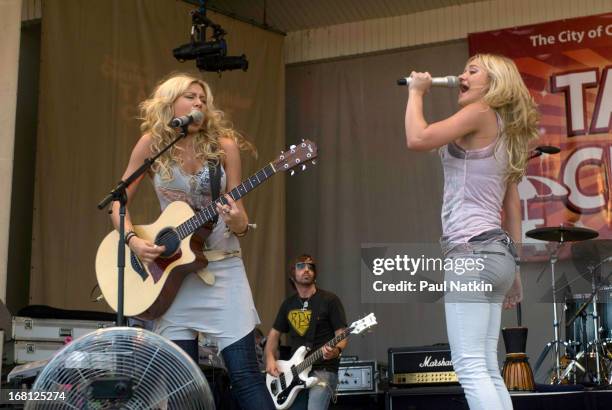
(421, 78)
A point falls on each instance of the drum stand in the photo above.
(597, 343)
(575, 360)
(556, 342)
(560, 235)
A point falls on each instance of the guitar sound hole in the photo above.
(170, 239)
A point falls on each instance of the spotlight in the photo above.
(218, 63)
(209, 55)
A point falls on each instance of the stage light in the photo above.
(210, 55)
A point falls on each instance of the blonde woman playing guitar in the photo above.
(223, 310)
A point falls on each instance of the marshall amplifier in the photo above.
(421, 365)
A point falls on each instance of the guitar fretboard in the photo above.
(207, 214)
(313, 358)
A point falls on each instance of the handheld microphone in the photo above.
(193, 116)
(449, 82)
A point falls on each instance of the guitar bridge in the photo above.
(137, 266)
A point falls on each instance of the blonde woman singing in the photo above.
(484, 149)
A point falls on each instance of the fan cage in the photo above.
(162, 375)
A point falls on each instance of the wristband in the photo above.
(129, 236)
(243, 233)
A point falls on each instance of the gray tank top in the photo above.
(474, 189)
(195, 191)
(224, 311)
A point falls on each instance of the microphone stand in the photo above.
(538, 151)
(534, 155)
(119, 194)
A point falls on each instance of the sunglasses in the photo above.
(304, 265)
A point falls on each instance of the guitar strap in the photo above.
(214, 255)
(215, 183)
(312, 326)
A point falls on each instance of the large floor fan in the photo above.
(122, 368)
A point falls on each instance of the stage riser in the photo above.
(398, 400)
(582, 401)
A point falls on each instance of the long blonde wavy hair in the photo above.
(158, 110)
(509, 97)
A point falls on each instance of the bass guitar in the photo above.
(293, 375)
(150, 290)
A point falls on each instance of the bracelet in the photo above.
(129, 236)
(243, 233)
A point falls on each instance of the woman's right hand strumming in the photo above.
(146, 251)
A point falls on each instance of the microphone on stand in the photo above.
(193, 116)
(449, 82)
(544, 149)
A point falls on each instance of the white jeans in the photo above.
(473, 328)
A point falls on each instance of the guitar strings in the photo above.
(234, 194)
(167, 235)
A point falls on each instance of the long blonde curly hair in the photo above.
(510, 98)
(158, 110)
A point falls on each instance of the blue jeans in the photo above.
(318, 396)
(247, 382)
(473, 320)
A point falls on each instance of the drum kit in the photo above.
(588, 317)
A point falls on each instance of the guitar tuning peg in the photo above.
(292, 147)
(292, 172)
(314, 162)
(303, 167)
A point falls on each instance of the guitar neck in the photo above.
(316, 356)
(210, 212)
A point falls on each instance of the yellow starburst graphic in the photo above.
(300, 320)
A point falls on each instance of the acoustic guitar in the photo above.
(150, 290)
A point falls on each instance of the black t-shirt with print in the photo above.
(295, 318)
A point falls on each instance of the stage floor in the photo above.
(452, 398)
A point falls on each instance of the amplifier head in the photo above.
(421, 365)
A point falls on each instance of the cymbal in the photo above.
(562, 234)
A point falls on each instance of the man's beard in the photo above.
(305, 281)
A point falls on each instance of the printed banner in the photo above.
(566, 66)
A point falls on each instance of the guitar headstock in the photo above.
(296, 155)
(363, 324)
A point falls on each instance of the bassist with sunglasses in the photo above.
(310, 317)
